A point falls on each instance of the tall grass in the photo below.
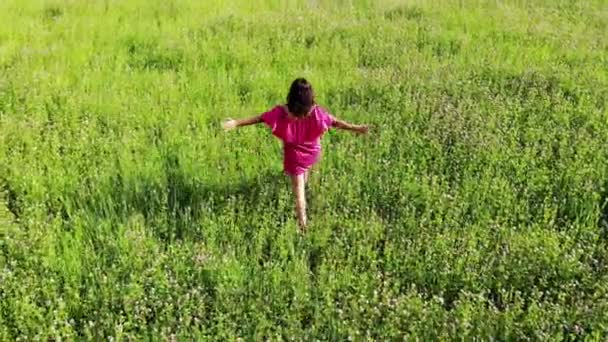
(476, 208)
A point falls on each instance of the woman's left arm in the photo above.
(231, 124)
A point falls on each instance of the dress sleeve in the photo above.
(327, 120)
(270, 117)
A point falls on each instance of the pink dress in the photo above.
(301, 136)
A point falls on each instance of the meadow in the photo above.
(475, 209)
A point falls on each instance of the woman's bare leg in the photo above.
(297, 184)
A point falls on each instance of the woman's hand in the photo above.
(362, 129)
(229, 124)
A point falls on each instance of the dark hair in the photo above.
(301, 97)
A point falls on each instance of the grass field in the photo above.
(475, 208)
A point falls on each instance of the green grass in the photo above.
(477, 208)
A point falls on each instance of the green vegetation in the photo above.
(477, 207)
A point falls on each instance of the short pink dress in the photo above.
(301, 136)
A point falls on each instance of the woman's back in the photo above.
(298, 130)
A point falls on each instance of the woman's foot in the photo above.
(302, 226)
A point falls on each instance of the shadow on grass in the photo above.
(188, 201)
(176, 204)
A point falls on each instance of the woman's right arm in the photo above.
(361, 129)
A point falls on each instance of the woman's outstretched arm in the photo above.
(230, 124)
(361, 129)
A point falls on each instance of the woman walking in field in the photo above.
(299, 124)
